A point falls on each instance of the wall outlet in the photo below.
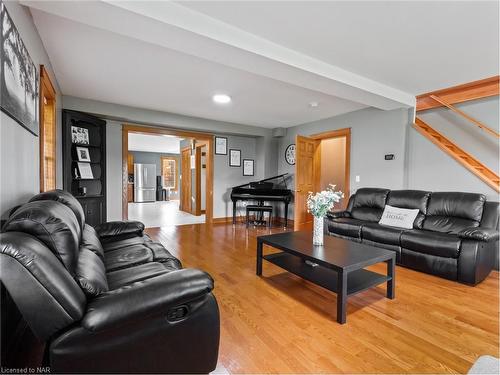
(358, 178)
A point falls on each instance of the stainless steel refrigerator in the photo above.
(144, 182)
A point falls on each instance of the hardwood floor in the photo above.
(280, 323)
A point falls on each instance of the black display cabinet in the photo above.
(84, 150)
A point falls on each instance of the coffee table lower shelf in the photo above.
(357, 281)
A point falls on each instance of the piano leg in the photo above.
(286, 214)
(234, 212)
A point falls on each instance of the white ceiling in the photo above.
(414, 46)
(272, 58)
(154, 143)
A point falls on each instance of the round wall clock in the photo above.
(290, 154)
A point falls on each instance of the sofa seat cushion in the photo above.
(127, 257)
(433, 243)
(346, 227)
(382, 233)
(162, 255)
(119, 278)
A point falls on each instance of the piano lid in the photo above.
(266, 183)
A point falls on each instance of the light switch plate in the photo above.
(358, 178)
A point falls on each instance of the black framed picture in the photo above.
(83, 154)
(19, 76)
(80, 136)
(220, 146)
(234, 158)
(248, 167)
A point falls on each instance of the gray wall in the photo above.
(262, 147)
(374, 133)
(19, 149)
(430, 168)
(418, 163)
(165, 119)
(113, 170)
(155, 158)
(226, 177)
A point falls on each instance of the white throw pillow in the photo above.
(398, 217)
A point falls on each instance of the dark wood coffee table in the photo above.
(340, 264)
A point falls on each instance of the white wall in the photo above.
(19, 149)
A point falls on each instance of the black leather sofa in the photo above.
(455, 235)
(105, 299)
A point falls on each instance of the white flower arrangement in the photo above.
(320, 203)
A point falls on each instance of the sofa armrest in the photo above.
(119, 228)
(338, 214)
(144, 298)
(479, 234)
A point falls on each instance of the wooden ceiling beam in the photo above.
(457, 94)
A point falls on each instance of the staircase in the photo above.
(467, 160)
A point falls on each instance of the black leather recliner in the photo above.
(107, 299)
(455, 235)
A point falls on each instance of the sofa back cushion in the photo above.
(45, 292)
(412, 199)
(52, 223)
(368, 204)
(65, 198)
(451, 212)
(491, 211)
(91, 273)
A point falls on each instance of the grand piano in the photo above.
(272, 189)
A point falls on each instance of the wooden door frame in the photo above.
(183, 181)
(345, 132)
(148, 130)
(198, 211)
(46, 90)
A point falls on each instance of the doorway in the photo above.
(175, 176)
(321, 159)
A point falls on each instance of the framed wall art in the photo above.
(234, 158)
(248, 167)
(19, 76)
(220, 146)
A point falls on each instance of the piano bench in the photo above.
(256, 208)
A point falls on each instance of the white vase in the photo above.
(318, 231)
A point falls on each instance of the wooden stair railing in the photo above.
(465, 115)
(467, 160)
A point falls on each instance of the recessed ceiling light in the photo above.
(221, 98)
(313, 104)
